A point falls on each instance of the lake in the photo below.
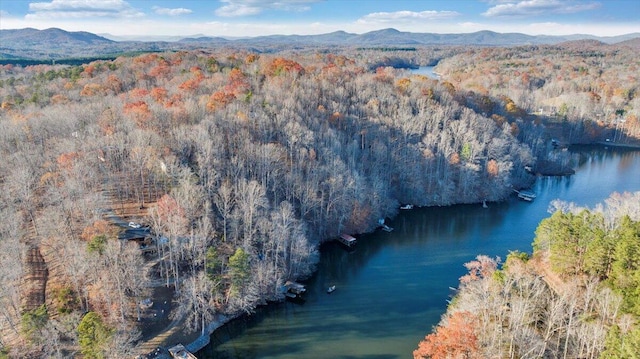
(393, 288)
(426, 71)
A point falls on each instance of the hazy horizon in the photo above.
(140, 19)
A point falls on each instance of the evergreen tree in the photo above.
(93, 336)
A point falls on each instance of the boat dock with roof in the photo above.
(526, 195)
(294, 290)
(347, 240)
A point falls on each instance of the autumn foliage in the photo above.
(456, 339)
(281, 66)
(219, 100)
(210, 147)
(139, 110)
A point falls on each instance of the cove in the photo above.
(426, 71)
(393, 288)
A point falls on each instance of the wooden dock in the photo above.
(180, 352)
(294, 290)
(526, 195)
(347, 240)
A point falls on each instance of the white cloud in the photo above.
(407, 16)
(81, 9)
(171, 12)
(538, 7)
(4, 13)
(236, 8)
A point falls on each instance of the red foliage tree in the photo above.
(89, 70)
(114, 84)
(193, 83)
(162, 70)
(92, 90)
(145, 59)
(139, 110)
(218, 100)
(238, 83)
(190, 84)
(138, 92)
(455, 339)
(280, 66)
(159, 94)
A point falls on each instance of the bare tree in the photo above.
(224, 201)
(251, 201)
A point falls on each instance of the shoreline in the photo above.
(620, 145)
(204, 339)
(196, 345)
(220, 319)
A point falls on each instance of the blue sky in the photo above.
(237, 18)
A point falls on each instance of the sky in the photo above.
(242, 18)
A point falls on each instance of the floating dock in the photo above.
(526, 195)
(386, 228)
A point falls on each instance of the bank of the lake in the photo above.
(428, 71)
(394, 287)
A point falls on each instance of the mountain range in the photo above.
(51, 44)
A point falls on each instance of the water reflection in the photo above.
(393, 288)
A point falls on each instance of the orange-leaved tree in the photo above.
(454, 339)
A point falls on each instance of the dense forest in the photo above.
(238, 165)
(577, 296)
(588, 88)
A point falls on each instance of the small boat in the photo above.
(407, 206)
(331, 289)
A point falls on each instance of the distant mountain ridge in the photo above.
(34, 36)
(56, 43)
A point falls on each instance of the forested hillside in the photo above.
(240, 163)
(587, 89)
(577, 296)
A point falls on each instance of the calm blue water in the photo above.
(393, 288)
(427, 71)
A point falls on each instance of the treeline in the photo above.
(243, 163)
(72, 61)
(575, 297)
(590, 90)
